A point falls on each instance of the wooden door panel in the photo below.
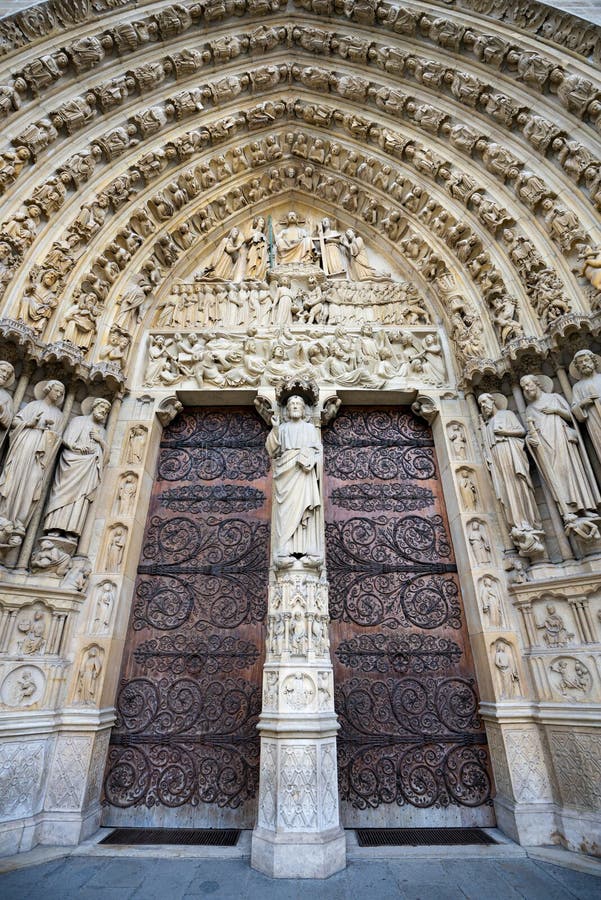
(412, 748)
(185, 748)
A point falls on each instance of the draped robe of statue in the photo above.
(332, 252)
(583, 392)
(77, 476)
(557, 451)
(257, 256)
(228, 262)
(34, 439)
(293, 243)
(510, 473)
(295, 448)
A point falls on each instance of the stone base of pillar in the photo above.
(302, 855)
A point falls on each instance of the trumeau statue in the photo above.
(556, 446)
(79, 469)
(503, 436)
(35, 436)
(586, 394)
(294, 446)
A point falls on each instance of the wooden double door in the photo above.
(185, 748)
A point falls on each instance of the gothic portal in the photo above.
(300, 380)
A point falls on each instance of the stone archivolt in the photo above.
(148, 168)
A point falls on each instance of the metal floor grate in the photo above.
(207, 837)
(420, 837)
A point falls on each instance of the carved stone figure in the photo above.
(294, 446)
(456, 434)
(35, 436)
(586, 394)
(554, 442)
(228, 260)
(293, 242)
(79, 469)
(126, 493)
(105, 601)
(490, 601)
(135, 445)
(467, 489)
(257, 252)
(87, 687)
(116, 548)
(33, 630)
(50, 559)
(7, 377)
(555, 634)
(332, 253)
(479, 543)
(507, 674)
(503, 438)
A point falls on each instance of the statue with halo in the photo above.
(294, 445)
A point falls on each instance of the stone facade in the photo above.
(395, 204)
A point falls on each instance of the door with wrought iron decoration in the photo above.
(411, 748)
(185, 747)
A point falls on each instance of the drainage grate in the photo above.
(418, 837)
(207, 837)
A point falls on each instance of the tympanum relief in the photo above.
(292, 297)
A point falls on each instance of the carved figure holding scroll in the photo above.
(556, 446)
(505, 452)
(294, 445)
(79, 469)
(34, 440)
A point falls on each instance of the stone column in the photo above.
(298, 833)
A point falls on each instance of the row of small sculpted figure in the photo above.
(551, 435)
(37, 440)
(372, 358)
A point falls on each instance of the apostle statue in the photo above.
(294, 446)
(293, 243)
(556, 446)
(586, 394)
(503, 435)
(79, 469)
(35, 436)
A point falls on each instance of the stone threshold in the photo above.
(505, 849)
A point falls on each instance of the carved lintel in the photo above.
(425, 407)
(168, 410)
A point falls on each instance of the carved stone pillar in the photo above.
(298, 833)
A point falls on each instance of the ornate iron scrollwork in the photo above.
(190, 696)
(415, 739)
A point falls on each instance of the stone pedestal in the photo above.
(298, 834)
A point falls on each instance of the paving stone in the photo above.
(101, 878)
